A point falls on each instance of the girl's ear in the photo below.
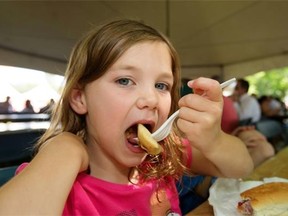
(78, 101)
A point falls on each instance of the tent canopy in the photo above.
(228, 38)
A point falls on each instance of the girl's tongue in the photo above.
(131, 134)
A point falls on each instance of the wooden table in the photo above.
(276, 166)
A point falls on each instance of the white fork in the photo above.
(162, 132)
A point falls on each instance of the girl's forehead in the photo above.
(151, 54)
(147, 48)
(148, 43)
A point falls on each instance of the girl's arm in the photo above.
(230, 158)
(44, 185)
(215, 152)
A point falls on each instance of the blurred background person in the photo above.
(274, 120)
(272, 107)
(259, 147)
(6, 106)
(247, 106)
(48, 108)
(28, 107)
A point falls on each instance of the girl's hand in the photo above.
(200, 114)
(200, 120)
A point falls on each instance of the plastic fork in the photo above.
(162, 132)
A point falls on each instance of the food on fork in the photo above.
(147, 142)
(266, 199)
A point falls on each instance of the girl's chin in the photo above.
(135, 156)
(130, 162)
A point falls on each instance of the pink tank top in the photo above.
(93, 196)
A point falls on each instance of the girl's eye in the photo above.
(162, 86)
(124, 81)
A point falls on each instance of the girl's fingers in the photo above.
(206, 87)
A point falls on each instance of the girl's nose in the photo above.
(148, 99)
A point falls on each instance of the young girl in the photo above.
(88, 163)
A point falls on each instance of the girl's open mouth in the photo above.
(131, 134)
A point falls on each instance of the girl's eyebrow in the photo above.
(163, 74)
(123, 67)
(127, 67)
(167, 76)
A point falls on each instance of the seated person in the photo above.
(230, 119)
(28, 107)
(259, 148)
(246, 105)
(272, 108)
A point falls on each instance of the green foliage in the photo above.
(273, 82)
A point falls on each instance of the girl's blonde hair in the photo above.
(92, 56)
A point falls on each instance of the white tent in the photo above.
(228, 38)
(7, 89)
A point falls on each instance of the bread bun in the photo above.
(266, 199)
(147, 142)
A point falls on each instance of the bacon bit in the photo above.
(244, 207)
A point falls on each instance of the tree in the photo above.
(273, 82)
